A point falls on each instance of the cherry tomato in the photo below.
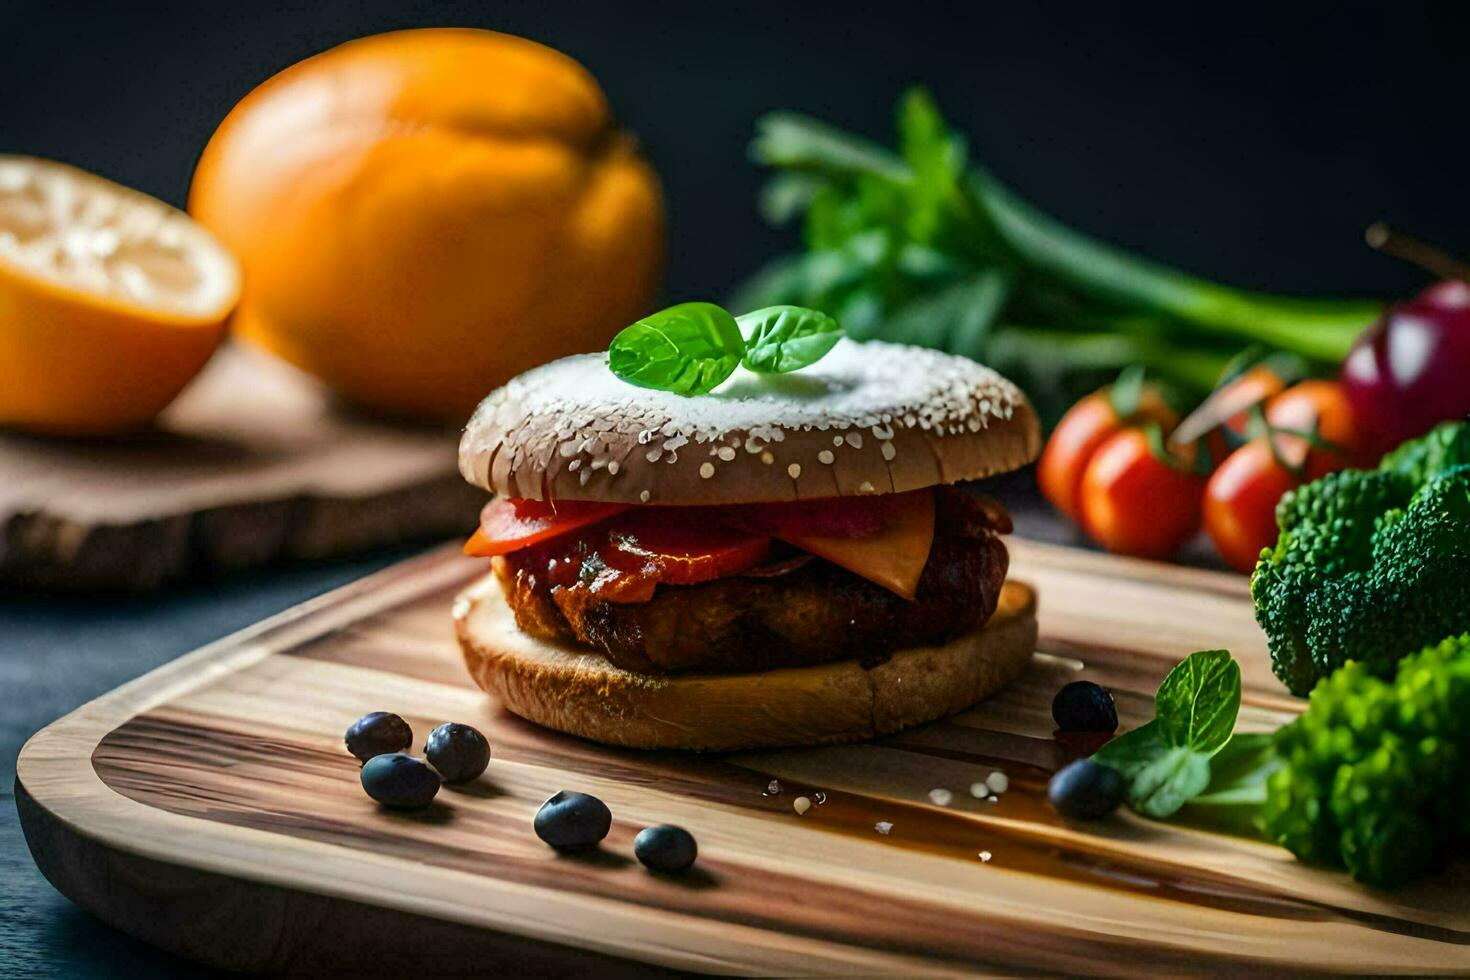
(682, 552)
(1135, 503)
(508, 524)
(1085, 427)
(1240, 503)
(1322, 406)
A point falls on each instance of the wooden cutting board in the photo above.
(210, 808)
(253, 464)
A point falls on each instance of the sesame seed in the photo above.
(979, 790)
(574, 465)
(767, 458)
(653, 454)
(825, 456)
(583, 476)
(855, 440)
(801, 805)
(836, 440)
(706, 470)
(643, 495)
(998, 782)
(865, 487)
(940, 796)
(794, 470)
(888, 451)
(727, 453)
(613, 467)
(773, 788)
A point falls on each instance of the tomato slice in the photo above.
(684, 552)
(508, 525)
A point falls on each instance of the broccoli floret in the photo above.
(1375, 771)
(1369, 565)
(1444, 448)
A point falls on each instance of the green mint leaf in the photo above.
(1197, 704)
(1239, 771)
(779, 339)
(1160, 777)
(687, 349)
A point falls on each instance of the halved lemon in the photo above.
(110, 300)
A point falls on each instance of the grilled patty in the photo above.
(810, 611)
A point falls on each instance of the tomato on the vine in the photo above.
(1086, 426)
(1320, 408)
(1138, 500)
(1240, 502)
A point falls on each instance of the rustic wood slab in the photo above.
(210, 808)
(254, 463)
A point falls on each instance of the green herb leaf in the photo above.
(1166, 763)
(779, 339)
(687, 349)
(1160, 777)
(1197, 704)
(1239, 771)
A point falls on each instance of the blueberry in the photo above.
(459, 752)
(1083, 706)
(378, 734)
(573, 821)
(399, 781)
(1085, 790)
(665, 848)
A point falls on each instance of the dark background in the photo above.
(1249, 144)
(1252, 144)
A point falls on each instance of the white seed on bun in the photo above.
(868, 418)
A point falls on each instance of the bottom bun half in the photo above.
(578, 691)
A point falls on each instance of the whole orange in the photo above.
(423, 214)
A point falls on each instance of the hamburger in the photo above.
(785, 560)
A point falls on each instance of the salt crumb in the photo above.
(998, 782)
(985, 855)
(819, 797)
(941, 797)
(773, 788)
(801, 805)
(883, 827)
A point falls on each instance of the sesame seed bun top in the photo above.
(867, 418)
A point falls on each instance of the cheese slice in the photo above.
(893, 557)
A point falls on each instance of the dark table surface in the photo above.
(57, 654)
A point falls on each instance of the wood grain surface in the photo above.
(253, 464)
(214, 795)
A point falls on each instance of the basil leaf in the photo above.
(1197, 704)
(1160, 777)
(779, 339)
(1237, 790)
(687, 349)
(1239, 772)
